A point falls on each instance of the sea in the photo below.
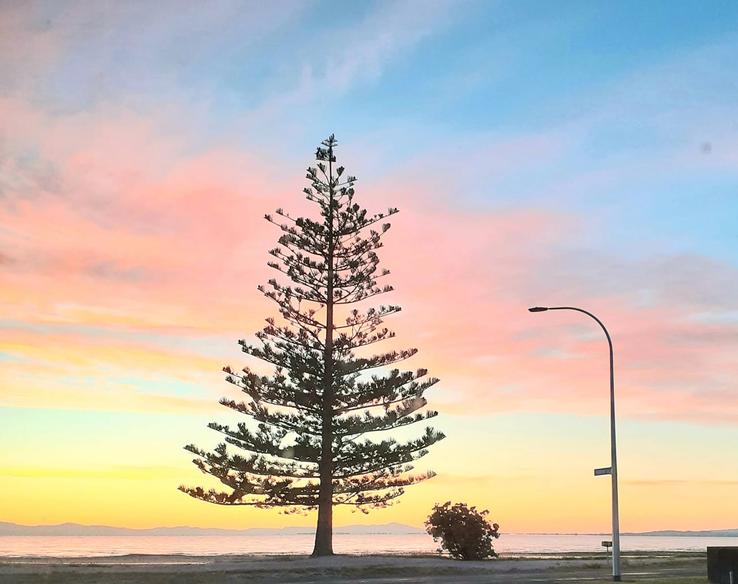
(508, 545)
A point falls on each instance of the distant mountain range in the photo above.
(704, 533)
(383, 529)
(77, 529)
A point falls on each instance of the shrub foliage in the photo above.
(463, 531)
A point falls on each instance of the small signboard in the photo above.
(607, 544)
(603, 471)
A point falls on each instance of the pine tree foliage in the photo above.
(319, 433)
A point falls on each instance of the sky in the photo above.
(569, 153)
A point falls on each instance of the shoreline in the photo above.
(155, 569)
(572, 555)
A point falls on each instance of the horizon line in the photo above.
(370, 525)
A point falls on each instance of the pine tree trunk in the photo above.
(324, 530)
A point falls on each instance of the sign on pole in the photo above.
(603, 471)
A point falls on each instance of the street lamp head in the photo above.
(538, 309)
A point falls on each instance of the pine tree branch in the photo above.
(356, 365)
(267, 441)
(274, 390)
(288, 422)
(368, 457)
(255, 464)
(384, 392)
(402, 416)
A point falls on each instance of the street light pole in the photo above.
(613, 449)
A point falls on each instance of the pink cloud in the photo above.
(466, 280)
(115, 220)
(132, 223)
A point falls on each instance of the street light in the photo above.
(613, 470)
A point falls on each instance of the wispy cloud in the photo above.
(661, 483)
(173, 231)
(118, 472)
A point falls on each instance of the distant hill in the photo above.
(77, 529)
(703, 533)
(74, 529)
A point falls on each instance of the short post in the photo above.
(607, 545)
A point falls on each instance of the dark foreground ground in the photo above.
(647, 567)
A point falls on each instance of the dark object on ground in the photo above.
(722, 565)
(464, 532)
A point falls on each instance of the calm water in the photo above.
(508, 544)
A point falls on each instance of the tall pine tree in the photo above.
(308, 445)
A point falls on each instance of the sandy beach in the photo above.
(672, 568)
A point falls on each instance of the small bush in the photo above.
(463, 531)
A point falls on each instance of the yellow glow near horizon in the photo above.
(146, 498)
(517, 476)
